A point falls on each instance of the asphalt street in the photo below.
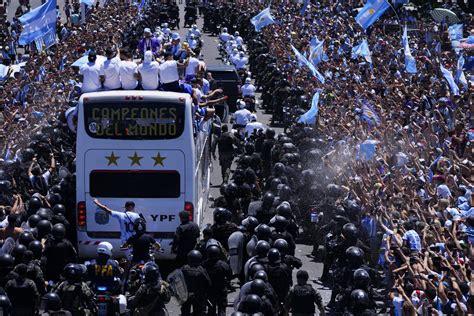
(211, 56)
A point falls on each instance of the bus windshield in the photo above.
(134, 119)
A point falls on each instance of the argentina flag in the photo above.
(262, 19)
(371, 12)
(38, 22)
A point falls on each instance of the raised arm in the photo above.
(102, 206)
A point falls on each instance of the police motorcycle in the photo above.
(105, 285)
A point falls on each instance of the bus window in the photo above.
(135, 183)
(134, 119)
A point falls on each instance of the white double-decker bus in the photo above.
(138, 146)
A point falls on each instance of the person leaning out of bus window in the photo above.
(126, 219)
(205, 103)
(39, 179)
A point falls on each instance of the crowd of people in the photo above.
(386, 200)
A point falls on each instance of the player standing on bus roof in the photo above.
(126, 219)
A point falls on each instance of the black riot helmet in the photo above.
(27, 154)
(354, 257)
(45, 213)
(251, 304)
(253, 269)
(261, 274)
(43, 228)
(282, 245)
(220, 215)
(250, 223)
(268, 199)
(33, 220)
(151, 273)
(18, 252)
(350, 231)
(213, 252)
(73, 272)
(58, 231)
(5, 186)
(194, 258)
(361, 279)
(279, 222)
(231, 190)
(59, 208)
(36, 247)
(258, 287)
(6, 262)
(359, 300)
(284, 209)
(5, 305)
(270, 133)
(278, 169)
(273, 255)
(25, 238)
(34, 204)
(262, 248)
(308, 176)
(285, 193)
(54, 198)
(274, 183)
(263, 232)
(51, 302)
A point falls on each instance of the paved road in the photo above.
(211, 56)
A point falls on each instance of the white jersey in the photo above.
(128, 69)
(169, 71)
(149, 74)
(126, 221)
(253, 126)
(242, 117)
(248, 90)
(90, 73)
(110, 69)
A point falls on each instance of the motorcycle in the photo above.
(108, 304)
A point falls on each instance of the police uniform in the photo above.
(301, 300)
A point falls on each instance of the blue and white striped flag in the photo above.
(369, 115)
(362, 50)
(460, 77)
(450, 79)
(303, 60)
(264, 18)
(38, 22)
(310, 116)
(316, 51)
(371, 12)
(410, 62)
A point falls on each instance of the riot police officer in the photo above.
(222, 228)
(220, 274)
(22, 292)
(198, 284)
(185, 238)
(58, 251)
(76, 296)
(152, 295)
(303, 297)
(51, 306)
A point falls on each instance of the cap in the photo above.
(175, 36)
(92, 56)
(248, 80)
(148, 57)
(129, 203)
(147, 30)
(253, 117)
(242, 105)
